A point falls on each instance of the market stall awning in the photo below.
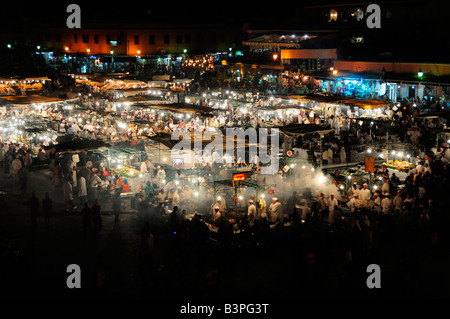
(29, 99)
(136, 99)
(303, 129)
(180, 108)
(77, 145)
(366, 104)
(443, 114)
(319, 97)
(166, 139)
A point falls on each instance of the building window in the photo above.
(166, 39)
(333, 15)
(358, 14)
(108, 39)
(179, 38)
(200, 38)
(136, 39)
(187, 38)
(75, 38)
(119, 39)
(151, 39)
(96, 38)
(85, 38)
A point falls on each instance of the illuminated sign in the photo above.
(369, 164)
(239, 177)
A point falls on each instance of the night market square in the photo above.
(185, 155)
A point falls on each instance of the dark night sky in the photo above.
(424, 34)
(123, 11)
(15, 13)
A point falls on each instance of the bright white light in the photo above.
(369, 150)
(219, 198)
(349, 177)
(321, 179)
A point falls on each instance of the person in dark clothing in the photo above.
(292, 201)
(33, 204)
(174, 220)
(97, 218)
(23, 176)
(199, 232)
(47, 206)
(86, 217)
(116, 206)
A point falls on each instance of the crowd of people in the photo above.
(380, 210)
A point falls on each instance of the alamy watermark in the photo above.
(374, 19)
(74, 19)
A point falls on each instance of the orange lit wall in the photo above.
(377, 67)
(308, 54)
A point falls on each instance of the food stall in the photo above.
(400, 165)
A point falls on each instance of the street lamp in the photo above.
(420, 73)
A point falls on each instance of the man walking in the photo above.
(86, 219)
(33, 204)
(47, 206)
(68, 194)
(97, 218)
